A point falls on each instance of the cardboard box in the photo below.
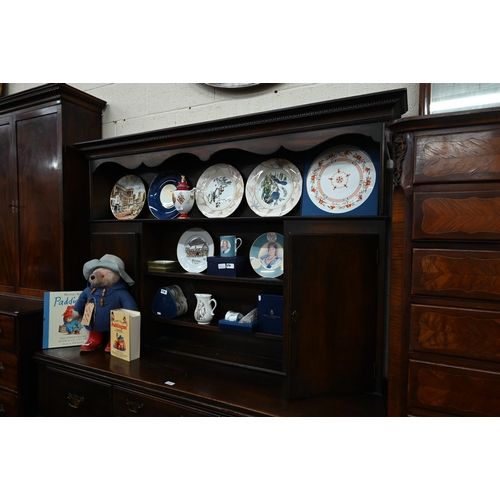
(271, 313)
(227, 266)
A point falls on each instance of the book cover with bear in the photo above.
(59, 330)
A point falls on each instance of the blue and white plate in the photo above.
(267, 255)
(160, 192)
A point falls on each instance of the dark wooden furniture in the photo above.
(20, 337)
(44, 212)
(44, 185)
(332, 349)
(445, 290)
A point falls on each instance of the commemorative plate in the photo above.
(160, 192)
(194, 246)
(267, 255)
(274, 188)
(219, 190)
(127, 197)
(340, 179)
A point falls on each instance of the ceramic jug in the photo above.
(205, 307)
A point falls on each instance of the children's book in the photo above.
(59, 330)
(125, 334)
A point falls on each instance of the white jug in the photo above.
(205, 307)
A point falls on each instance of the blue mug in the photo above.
(229, 245)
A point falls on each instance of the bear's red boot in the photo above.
(95, 340)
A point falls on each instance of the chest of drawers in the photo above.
(21, 323)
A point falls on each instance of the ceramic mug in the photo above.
(233, 316)
(229, 245)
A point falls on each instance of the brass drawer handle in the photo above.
(1, 367)
(134, 407)
(74, 400)
(2, 411)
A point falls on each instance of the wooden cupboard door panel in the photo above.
(467, 333)
(8, 211)
(470, 274)
(333, 313)
(40, 220)
(9, 404)
(458, 157)
(463, 215)
(454, 390)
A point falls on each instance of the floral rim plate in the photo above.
(127, 197)
(219, 190)
(160, 192)
(341, 179)
(194, 246)
(274, 188)
(267, 255)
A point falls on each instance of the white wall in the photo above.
(140, 107)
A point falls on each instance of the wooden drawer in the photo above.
(69, 395)
(465, 215)
(468, 333)
(458, 157)
(7, 333)
(8, 404)
(453, 390)
(8, 370)
(456, 273)
(128, 403)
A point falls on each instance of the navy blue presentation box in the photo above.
(237, 326)
(227, 266)
(270, 309)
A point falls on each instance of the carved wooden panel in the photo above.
(464, 215)
(468, 333)
(467, 156)
(455, 273)
(453, 390)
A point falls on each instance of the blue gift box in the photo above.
(270, 309)
(227, 266)
(237, 326)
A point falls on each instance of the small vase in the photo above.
(205, 307)
(183, 198)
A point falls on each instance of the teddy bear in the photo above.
(107, 289)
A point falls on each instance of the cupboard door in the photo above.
(8, 209)
(40, 184)
(332, 317)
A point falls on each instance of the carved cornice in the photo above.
(388, 103)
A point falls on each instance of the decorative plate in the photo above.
(274, 188)
(194, 246)
(219, 190)
(267, 255)
(127, 197)
(341, 179)
(160, 195)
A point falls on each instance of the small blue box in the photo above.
(227, 266)
(271, 313)
(237, 326)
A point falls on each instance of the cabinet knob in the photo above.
(2, 411)
(134, 407)
(74, 400)
(1, 367)
(295, 316)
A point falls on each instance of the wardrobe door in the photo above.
(8, 208)
(40, 200)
